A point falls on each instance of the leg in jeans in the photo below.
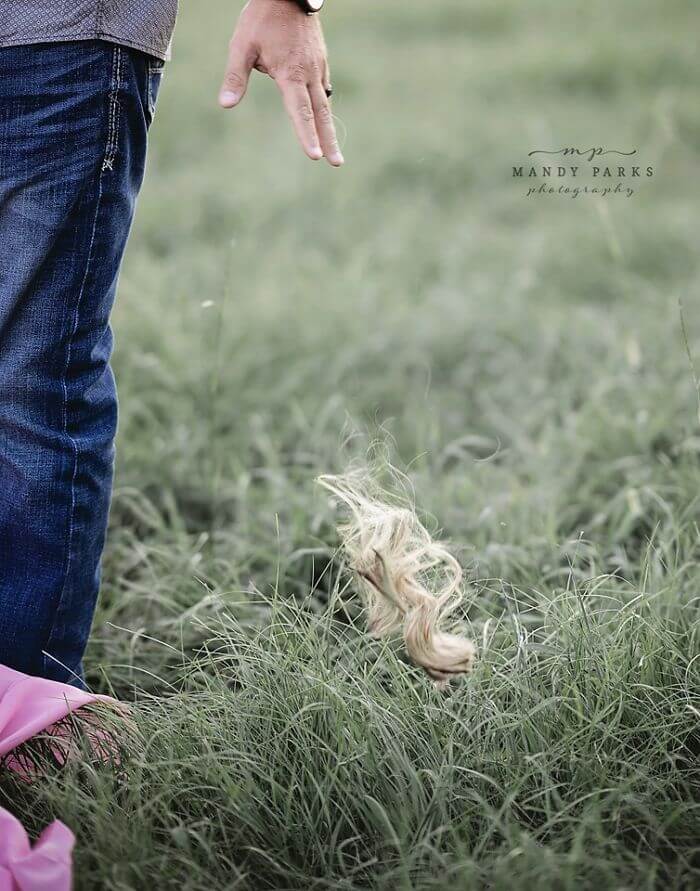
(73, 123)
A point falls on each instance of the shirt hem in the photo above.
(164, 55)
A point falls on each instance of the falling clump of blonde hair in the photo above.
(410, 583)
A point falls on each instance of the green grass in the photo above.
(522, 358)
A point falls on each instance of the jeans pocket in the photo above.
(155, 76)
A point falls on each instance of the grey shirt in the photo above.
(146, 25)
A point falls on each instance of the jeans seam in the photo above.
(115, 85)
(114, 111)
(153, 71)
(149, 89)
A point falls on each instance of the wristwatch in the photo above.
(311, 6)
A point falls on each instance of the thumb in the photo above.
(235, 83)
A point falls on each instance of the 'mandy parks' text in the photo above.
(604, 172)
(598, 177)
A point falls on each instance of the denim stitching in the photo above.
(149, 96)
(114, 111)
(155, 69)
(110, 117)
(115, 84)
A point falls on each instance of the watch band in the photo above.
(311, 6)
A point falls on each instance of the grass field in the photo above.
(521, 358)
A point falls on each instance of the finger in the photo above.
(238, 67)
(327, 78)
(299, 108)
(324, 125)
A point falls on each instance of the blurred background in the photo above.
(523, 357)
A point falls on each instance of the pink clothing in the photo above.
(29, 706)
(46, 867)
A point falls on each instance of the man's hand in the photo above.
(279, 39)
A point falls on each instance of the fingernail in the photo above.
(337, 159)
(316, 152)
(226, 97)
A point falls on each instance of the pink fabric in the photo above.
(29, 706)
(45, 867)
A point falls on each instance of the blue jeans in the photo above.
(73, 124)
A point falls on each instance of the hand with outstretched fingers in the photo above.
(278, 38)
